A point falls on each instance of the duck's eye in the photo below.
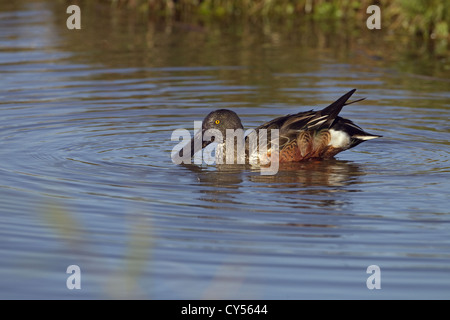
(217, 121)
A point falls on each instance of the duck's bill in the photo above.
(196, 144)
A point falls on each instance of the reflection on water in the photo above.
(326, 174)
(86, 175)
(306, 178)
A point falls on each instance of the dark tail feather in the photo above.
(333, 109)
(347, 103)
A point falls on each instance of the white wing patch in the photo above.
(339, 139)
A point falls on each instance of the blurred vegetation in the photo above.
(424, 18)
(250, 33)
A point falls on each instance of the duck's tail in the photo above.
(332, 111)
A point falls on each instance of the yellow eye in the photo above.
(217, 121)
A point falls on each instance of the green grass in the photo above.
(424, 18)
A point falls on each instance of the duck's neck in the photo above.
(234, 153)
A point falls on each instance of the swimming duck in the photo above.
(302, 136)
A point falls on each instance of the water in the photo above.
(86, 176)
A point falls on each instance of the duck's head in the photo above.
(220, 120)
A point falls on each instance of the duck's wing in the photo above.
(291, 125)
(326, 117)
(288, 126)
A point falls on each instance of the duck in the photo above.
(303, 136)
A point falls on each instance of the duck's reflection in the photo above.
(225, 183)
(324, 173)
